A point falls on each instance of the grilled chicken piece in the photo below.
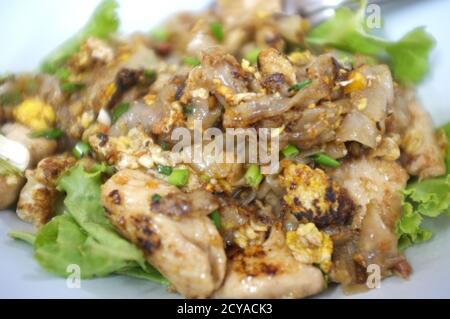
(269, 271)
(422, 154)
(38, 196)
(374, 186)
(372, 180)
(174, 231)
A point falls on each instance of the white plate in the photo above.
(32, 28)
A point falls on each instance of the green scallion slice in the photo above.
(81, 149)
(299, 86)
(179, 177)
(253, 176)
(325, 160)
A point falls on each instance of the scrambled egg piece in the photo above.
(250, 234)
(311, 246)
(301, 58)
(35, 114)
(312, 196)
(356, 82)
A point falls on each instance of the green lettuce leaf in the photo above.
(427, 198)
(62, 243)
(23, 236)
(346, 31)
(83, 235)
(408, 227)
(408, 57)
(103, 22)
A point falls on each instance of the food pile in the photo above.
(86, 152)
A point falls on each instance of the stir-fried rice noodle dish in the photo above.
(88, 156)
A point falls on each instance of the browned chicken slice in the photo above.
(372, 180)
(374, 186)
(38, 196)
(422, 154)
(171, 227)
(270, 271)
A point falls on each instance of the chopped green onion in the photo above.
(62, 74)
(205, 178)
(51, 134)
(216, 29)
(150, 75)
(252, 56)
(7, 169)
(290, 151)
(165, 170)
(156, 198)
(71, 87)
(253, 176)
(191, 61)
(179, 177)
(81, 149)
(299, 86)
(165, 146)
(188, 110)
(215, 217)
(325, 160)
(160, 34)
(119, 111)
